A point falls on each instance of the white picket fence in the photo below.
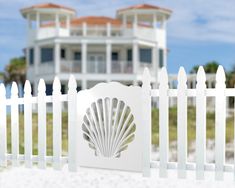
(163, 93)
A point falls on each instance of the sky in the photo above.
(198, 31)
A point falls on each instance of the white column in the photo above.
(57, 58)
(37, 20)
(165, 57)
(155, 63)
(135, 57)
(68, 22)
(124, 21)
(154, 21)
(135, 24)
(108, 57)
(57, 23)
(108, 29)
(36, 58)
(84, 29)
(84, 57)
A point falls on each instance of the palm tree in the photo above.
(15, 71)
(210, 67)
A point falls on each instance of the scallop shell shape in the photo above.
(108, 127)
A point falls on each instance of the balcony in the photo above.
(122, 67)
(71, 66)
(95, 67)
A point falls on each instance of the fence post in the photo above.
(146, 88)
(28, 124)
(3, 128)
(200, 123)
(57, 130)
(182, 123)
(14, 124)
(220, 121)
(41, 124)
(72, 124)
(163, 122)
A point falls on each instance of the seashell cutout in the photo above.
(108, 127)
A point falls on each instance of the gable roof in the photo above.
(48, 6)
(144, 6)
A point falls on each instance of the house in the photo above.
(94, 48)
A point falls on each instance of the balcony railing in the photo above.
(122, 67)
(71, 66)
(96, 67)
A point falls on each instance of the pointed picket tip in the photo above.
(220, 74)
(27, 87)
(72, 82)
(41, 86)
(14, 88)
(201, 76)
(182, 76)
(146, 77)
(56, 84)
(163, 76)
(2, 90)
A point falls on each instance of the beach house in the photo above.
(94, 48)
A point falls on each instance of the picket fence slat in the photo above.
(57, 129)
(147, 122)
(28, 124)
(72, 124)
(182, 123)
(3, 128)
(41, 124)
(14, 125)
(200, 123)
(220, 120)
(163, 122)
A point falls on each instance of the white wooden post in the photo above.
(41, 124)
(163, 122)
(146, 88)
(14, 124)
(84, 57)
(108, 29)
(108, 57)
(3, 128)
(200, 123)
(72, 124)
(57, 118)
(220, 121)
(57, 57)
(28, 124)
(84, 29)
(182, 123)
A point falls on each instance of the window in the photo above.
(31, 56)
(63, 53)
(114, 56)
(77, 56)
(161, 58)
(129, 55)
(145, 55)
(49, 89)
(47, 55)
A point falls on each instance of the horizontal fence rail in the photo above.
(163, 94)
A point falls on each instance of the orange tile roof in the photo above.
(96, 20)
(144, 6)
(48, 5)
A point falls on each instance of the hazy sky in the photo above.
(198, 31)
